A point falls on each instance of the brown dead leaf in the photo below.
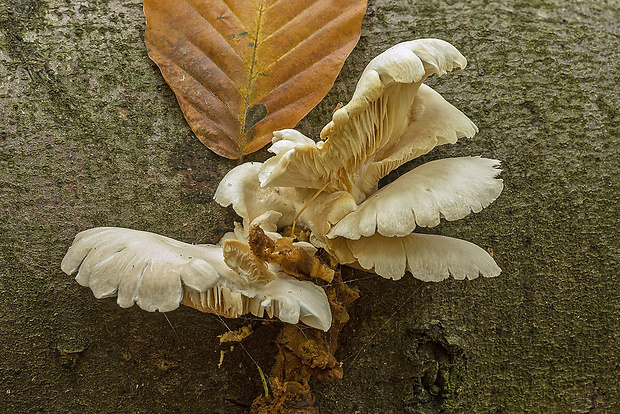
(294, 260)
(245, 68)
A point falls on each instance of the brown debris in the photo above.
(294, 260)
(288, 398)
(237, 335)
(239, 257)
(305, 352)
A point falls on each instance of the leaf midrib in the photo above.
(242, 138)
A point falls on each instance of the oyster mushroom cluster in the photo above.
(329, 187)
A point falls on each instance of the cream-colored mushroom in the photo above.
(272, 207)
(241, 189)
(428, 257)
(391, 119)
(450, 188)
(158, 273)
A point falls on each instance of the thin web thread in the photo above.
(260, 370)
(170, 323)
(240, 344)
(366, 343)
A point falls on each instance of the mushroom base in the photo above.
(306, 352)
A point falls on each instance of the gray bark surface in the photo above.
(90, 135)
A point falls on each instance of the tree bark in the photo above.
(90, 135)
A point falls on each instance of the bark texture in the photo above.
(90, 135)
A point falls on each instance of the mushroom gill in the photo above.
(157, 273)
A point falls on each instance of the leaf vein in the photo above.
(250, 80)
(236, 16)
(292, 21)
(197, 107)
(215, 30)
(283, 83)
(164, 53)
(309, 66)
(192, 75)
(295, 48)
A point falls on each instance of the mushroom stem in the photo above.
(305, 206)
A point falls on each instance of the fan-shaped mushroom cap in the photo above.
(157, 273)
(139, 267)
(433, 122)
(428, 257)
(450, 188)
(285, 143)
(390, 120)
(241, 188)
(405, 63)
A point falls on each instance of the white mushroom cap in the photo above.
(325, 211)
(241, 189)
(157, 273)
(376, 125)
(433, 121)
(405, 63)
(139, 267)
(428, 257)
(285, 144)
(450, 188)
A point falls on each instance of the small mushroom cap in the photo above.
(241, 189)
(239, 257)
(450, 188)
(428, 257)
(268, 221)
(157, 273)
(285, 144)
(379, 123)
